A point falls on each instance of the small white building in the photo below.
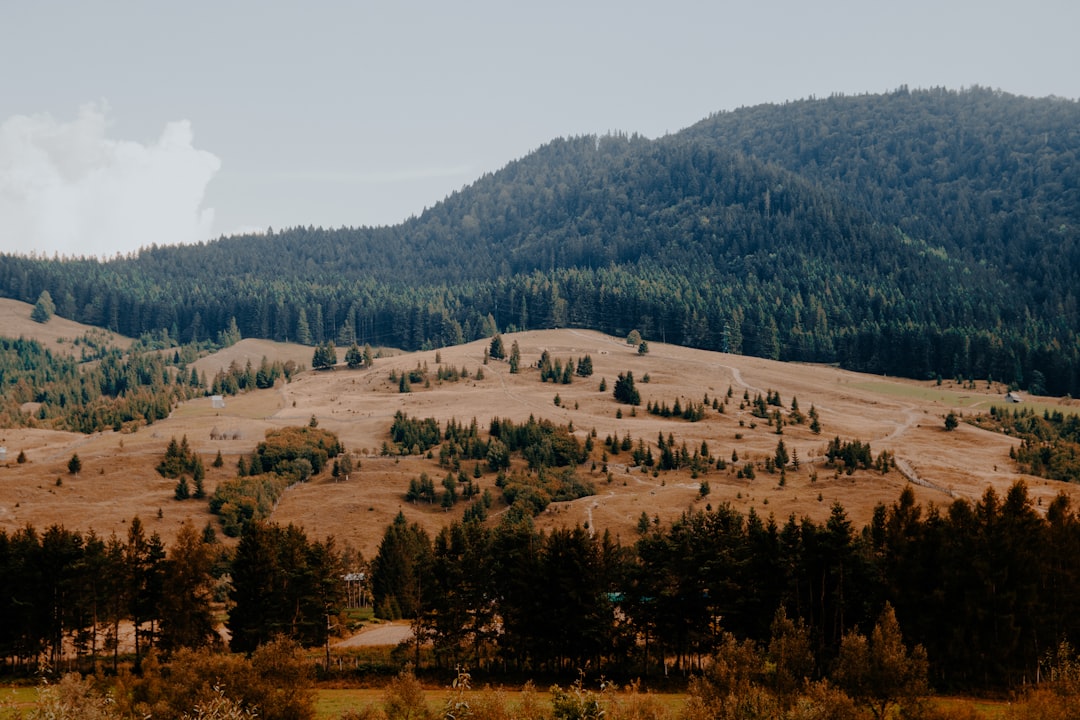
(1013, 397)
(3, 454)
(217, 401)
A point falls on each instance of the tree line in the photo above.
(67, 590)
(105, 387)
(986, 587)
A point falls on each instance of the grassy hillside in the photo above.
(118, 480)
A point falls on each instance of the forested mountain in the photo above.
(915, 233)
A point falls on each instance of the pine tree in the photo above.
(625, 392)
(515, 357)
(781, 456)
(325, 356)
(353, 357)
(198, 474)
(43, 308)
(497, 351)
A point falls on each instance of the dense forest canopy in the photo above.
(920, 233)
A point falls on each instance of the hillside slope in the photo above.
(118, 480)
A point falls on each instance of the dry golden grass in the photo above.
(57, 335)
(118, 480)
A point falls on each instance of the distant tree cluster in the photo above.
(849, 455)
(180, 462)
(139, 386)
(235, 379)
(287, 456)
(692, 411)
(1049, 445)
(554, 370)
(325, 357)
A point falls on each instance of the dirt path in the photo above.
(909, 472)
(390, 634)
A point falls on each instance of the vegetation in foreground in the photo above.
(876, 678)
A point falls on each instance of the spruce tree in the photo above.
(43, 308)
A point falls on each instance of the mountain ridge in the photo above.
(916, 232)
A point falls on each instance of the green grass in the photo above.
(957, 398)
(946, 396)
(330, 703)
(15, 700)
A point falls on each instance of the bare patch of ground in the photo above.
(374, 635)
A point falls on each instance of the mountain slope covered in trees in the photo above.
(918, 233)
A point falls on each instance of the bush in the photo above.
(73, 698)
(275, 684)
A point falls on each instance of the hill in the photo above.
(118, 480)
(923, 233)
(59, 334)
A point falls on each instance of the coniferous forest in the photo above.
(917, 233)
(988, 589)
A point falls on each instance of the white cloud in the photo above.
(65, 187)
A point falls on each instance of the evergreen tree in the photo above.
(585, 366)
(496, 350)
(398, 569)
(187, 618)
(515, 357)
(43, 308)
(781, 456)
(303, 330)
(625, 392)
(325, 356)
(353, 357)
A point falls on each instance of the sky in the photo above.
(129, 123)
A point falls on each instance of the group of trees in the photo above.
(69, 589)
(288, 455)
(985, 587)
(822, 230)
(1049, 445)
(66, 589)
(118, 388)
(283, 585)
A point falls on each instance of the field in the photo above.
(118, 480)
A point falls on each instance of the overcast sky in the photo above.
(126, 123)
